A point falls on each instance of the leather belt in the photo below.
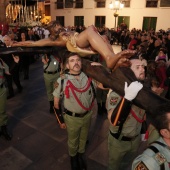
(75, 114)
(51, 72)
(123, 138)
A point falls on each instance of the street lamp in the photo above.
(117, 5)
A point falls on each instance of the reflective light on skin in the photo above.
(138, 68)
(74, 64)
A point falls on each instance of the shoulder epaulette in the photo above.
(159, 157)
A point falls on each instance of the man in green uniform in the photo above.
(157, 155)
(125, 121)
(79, 96)
(4, 69)
(51, 74)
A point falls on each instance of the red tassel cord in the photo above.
(73, 89)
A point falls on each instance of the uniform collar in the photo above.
(74, 74)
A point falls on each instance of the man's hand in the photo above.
(123, 62)
(123, 58)
(96, 64)
(132, 90)
(45, 59)
(157, 90)
(63, 126)
(16, 58)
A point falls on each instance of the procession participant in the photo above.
(4, 69)
(125, 120)
(51, 74)
(14, 76)
(78, 98)
(157, 155)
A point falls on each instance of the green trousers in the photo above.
(77, 129)
(121, 153)
(49, 80)
(3, 99)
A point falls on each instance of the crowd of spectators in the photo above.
(22, 71)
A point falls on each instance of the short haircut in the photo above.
(7, 36)
(70, 54)
(135, 57)
(159, 116)
(66, 55)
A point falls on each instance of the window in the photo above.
(60, 19)
(151, 3)
(47, 1)
(47, 10)
(79, 20)
(100, 3)
(78, 4)
(165, 3)
(149, 23)
(68, 4)
(126, 3)
(100, 21)
(60, 4)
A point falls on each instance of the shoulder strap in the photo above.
(94, 92)
(162, 144)
(153, 148)
(61, 101)
(92, 86)
(47, 63)
(62, 84)
(159, 159)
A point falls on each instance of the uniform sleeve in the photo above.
(113, 100)
(57, 90)
(146, 161)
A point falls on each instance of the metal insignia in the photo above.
(141, 166)
(160, 158)
(113, 100)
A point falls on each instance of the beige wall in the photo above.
(136, 12)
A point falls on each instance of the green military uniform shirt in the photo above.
(53, 65)
(85, 98)
(50, 79)
(149, 160)
(131, 126)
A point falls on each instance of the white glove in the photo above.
(132, 90)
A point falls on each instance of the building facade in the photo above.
(140, 14)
